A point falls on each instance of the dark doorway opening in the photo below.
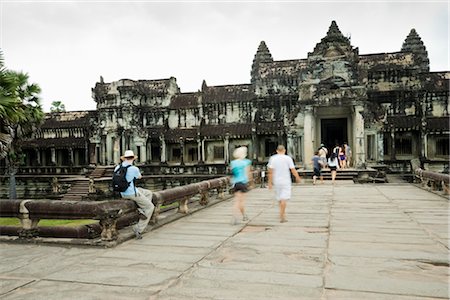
(333, 132)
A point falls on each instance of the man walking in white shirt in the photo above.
(280, 167)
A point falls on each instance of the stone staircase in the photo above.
(80, 187)
(99, 172)
(342, 174)
(78, 190)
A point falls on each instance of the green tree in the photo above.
(57, 106)
(20, 115)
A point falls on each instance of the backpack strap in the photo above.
(134, 180)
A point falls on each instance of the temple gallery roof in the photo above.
(282, 68)
(233, 130)
(68, 142)
(184, 100)
(406, 123)
(227, 93)
(71, 119)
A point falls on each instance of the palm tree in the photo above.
(9, 110)
(20, 114)
(57, 106)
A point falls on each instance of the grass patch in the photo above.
(45, 222)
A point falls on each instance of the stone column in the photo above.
(199, 149)
(290, 145)
(393, 144)
(309, 136)
(163, 149)
(380, 146)
(103, 150)
(53, 156)
(38, 157)
(423, 138)
(88, 152)
(109, 150)
(301, 157)
(425, 145)
(181, 151)
(359, 152)
(423, 129)
(255, 145)
(143, 154)
(203, 150)
(226, 149)
(116, 150)
(148, 149)
(279, 137)
(71, 156)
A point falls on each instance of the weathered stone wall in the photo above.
(31, 187)
(395, 109)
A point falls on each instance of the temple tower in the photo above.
(413, 43)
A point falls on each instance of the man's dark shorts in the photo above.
(240, 187)
(317, 172)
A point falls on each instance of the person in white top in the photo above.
(280, 168)
(333, 164)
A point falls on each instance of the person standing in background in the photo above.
(280, 167)
(342, 158)
(323, 153)
(333, 164)
(348, 155)
(317, 163)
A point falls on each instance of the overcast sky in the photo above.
(65, 46)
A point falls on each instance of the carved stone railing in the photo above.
(434, 180)
(111, 214)
(30, 212)
(182, 194)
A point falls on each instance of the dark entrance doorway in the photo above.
(334, 131)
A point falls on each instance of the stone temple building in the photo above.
(389, 107)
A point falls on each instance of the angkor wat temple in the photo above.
(389, 107)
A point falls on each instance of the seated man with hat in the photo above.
(142, 197)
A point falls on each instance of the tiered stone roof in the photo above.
(413, 43)
(334, 38)
(262, 56)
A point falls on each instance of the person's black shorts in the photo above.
(317, 172)
(240, 187)
(333, 168)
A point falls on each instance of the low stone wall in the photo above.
(112, 214)
(433, 181)
(30, 187)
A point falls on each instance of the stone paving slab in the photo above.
(198, 288)
(136, 276)
(353, 295)
(10, 284)
(348, 241)
(44, 289)
(386, 280)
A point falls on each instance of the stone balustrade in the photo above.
(436, 181)
(30, 212)
(112, 215)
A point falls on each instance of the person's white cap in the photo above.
(129, 154)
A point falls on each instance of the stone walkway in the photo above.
(347, 241)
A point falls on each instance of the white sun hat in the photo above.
(129, 154)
